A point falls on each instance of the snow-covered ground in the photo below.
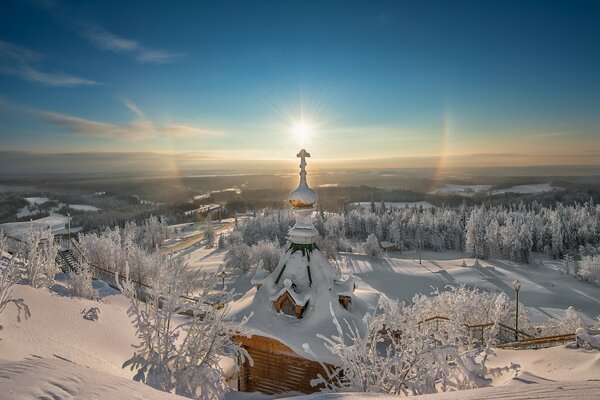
(546, 291)
(525, 189)
(83, 207)
(396, 204)
(56, 222)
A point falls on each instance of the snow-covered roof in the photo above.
(385, 244)
(318, 292)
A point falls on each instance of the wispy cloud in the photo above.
(550, 134)
(184, 131)
(23, 63)
(105, 40)
(139, 129)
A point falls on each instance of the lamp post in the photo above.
(69, 219)
(517, 286)
(223, 275)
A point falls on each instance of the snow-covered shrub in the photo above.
(239, 257)
(80, 280)
(93, 314)
(40, 257)
(395, 357)
(235, 237)
(463, 307)
(268, 252)
(209, 234)
(371, 246)
(328, 247)
(181, 353)
(567, 323)
(9, 275)
(589, 268)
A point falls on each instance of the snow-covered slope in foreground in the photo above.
(546, 391)
(58, 379)
(562, 372)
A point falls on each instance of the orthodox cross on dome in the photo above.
(303, 155)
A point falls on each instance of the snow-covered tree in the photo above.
(80, 280)
(393, 356)
(239, 257)
(40, 257)
(177, 353)
(268, 252)
(371, 246)
(9, 276)
(589, 268)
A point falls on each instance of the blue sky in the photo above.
(380, 80)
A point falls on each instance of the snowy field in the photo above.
(396, 204)
(56, 222)
(546, 291)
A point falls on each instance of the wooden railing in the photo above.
(110, 277)
(536, 343)
(505, 333)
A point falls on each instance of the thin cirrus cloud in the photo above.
(23, 63)
(105, 40)
(140, 128)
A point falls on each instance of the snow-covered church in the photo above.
(292, 304)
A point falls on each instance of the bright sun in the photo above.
(302, 131)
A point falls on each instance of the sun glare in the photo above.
(302, 131)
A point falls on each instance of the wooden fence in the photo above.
(505, 333)
(540, 342)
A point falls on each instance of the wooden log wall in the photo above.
(276, 369)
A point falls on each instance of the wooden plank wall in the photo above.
(276, 369)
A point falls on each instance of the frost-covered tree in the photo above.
(178, 353)
(80, 280)
(371, 246)
(475, 233)
(239, 257)
(394, 356)
(40, 257)
(9, 276)
(589, 268)
(209, 234)
(268, 252)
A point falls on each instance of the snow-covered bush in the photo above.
(9, 275)
(567, 323)
(268, 252)
(40, 257)
(395, 357)
(371, 246)
(239, 257)
(209, 234)
(463, 307)
(80, 280)
(181, 353)
(589, 268)
(328, 247)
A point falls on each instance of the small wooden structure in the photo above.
(388, 247)
(288, 305)
(276, 368)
